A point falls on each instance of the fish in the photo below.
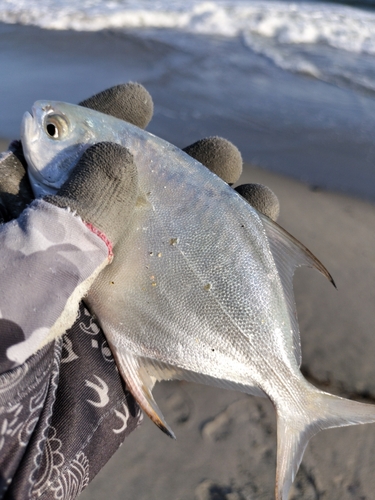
(201, 284)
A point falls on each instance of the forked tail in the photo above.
(318, 411)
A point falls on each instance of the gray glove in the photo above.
(81, 402)
(262, 198)
(15, 189)
(223, 158)
(102, 189)
(131, 102)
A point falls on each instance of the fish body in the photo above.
(200, 288)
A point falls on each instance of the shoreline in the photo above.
(319, 133)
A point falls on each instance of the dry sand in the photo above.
(226, 441)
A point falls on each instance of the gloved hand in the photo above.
(67, 400)
(131, 102)
(61, 243)
(65, 410)
(224, 159)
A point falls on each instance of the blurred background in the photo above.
(292, 84)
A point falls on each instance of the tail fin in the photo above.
(294, 430)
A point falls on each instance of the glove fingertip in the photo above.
(16, 148)
(262, 198)
(102, 189)
(15, 188)
(130, 102)
(109, 157)
(219, 155)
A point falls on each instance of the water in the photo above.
(291, 83)
(327, 41)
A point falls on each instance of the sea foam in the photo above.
(331, 42)
(338, 26)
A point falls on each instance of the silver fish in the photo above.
(200, 288)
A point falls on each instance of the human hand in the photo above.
(223, 158)
(87, 406)
(67, 400)
(131, 102)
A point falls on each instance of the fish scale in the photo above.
(200, 287)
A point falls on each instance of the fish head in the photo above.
(54, 137)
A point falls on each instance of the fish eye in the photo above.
(55, 126)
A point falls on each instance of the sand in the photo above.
(226, 441)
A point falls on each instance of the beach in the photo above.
(287, 122)
(226, 441)
(311, 140)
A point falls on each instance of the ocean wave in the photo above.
(287, 23)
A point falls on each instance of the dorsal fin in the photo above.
(289, 253)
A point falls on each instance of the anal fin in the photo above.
(140, 374)
(140, 383)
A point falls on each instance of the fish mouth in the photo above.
(29, 136)
(28, 129)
